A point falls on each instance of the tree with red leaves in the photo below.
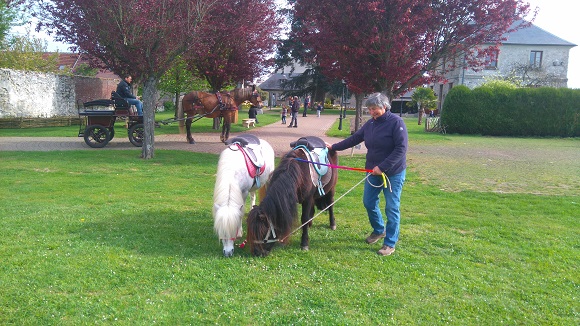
(139, 37)
(235, 43)
(392, 46)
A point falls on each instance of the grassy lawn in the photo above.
(99, 237)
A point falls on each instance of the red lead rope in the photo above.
(335, 166)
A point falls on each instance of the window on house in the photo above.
(536, 59)
(491, 60)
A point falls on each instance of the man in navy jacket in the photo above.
(125, 90)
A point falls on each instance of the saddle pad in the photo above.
(250, 144)
(325, 172)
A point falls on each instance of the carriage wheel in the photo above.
(97, 136)
(112, 133)
(136, 134)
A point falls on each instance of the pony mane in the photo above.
(241, 94)
(227, 198)
(281, 201)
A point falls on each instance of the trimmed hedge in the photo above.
(504, 111)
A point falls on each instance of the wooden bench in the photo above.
(248, 122)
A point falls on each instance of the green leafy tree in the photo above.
(8, 18)
(178, 80)
(423, 98)
(27, 53)
(86, 70)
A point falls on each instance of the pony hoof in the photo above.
(191, 141)
(305, 248)
(333, 227)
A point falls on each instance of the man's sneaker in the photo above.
(386, 250)
(374, 237)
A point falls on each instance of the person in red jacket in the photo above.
(386, 139)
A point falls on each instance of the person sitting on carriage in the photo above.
(125, 90)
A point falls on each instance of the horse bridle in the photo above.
(271, 231)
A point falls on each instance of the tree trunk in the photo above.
(358, 97)
(150, 97)
(176, 115)
(421, 112)
(180, 115)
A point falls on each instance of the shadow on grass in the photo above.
(156, 233)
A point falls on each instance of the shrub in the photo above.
(499, 109)
(169, 106)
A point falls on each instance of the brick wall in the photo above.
(88, 89)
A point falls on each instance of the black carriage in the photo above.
(98, 121)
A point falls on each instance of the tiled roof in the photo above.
(534, 35)
(72, 60)
(273, 82)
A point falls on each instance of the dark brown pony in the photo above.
(290, 184)
(197, 105)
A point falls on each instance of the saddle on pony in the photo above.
(316, 152)
(250, 147)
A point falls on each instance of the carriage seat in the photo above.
(102, 102)
(119, 102)
(244, 140)
(310, 142)
(96, 108)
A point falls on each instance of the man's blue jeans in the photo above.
(138, 104)
(371, 202)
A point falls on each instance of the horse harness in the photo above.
(315, 150)
(222, 106)
(249, 146)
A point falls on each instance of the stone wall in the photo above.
(33, 94)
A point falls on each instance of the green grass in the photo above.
(99, 237)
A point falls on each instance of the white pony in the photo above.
(234, 183)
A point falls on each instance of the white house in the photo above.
(531, 53)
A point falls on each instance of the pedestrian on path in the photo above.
(294, 110)
(306, 105)
(284, 113)
(318, 109)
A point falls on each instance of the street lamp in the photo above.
(341, 114)
(345, 95)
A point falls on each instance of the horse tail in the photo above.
(323, 202)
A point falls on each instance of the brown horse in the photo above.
(291, 184)
(197, 105)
